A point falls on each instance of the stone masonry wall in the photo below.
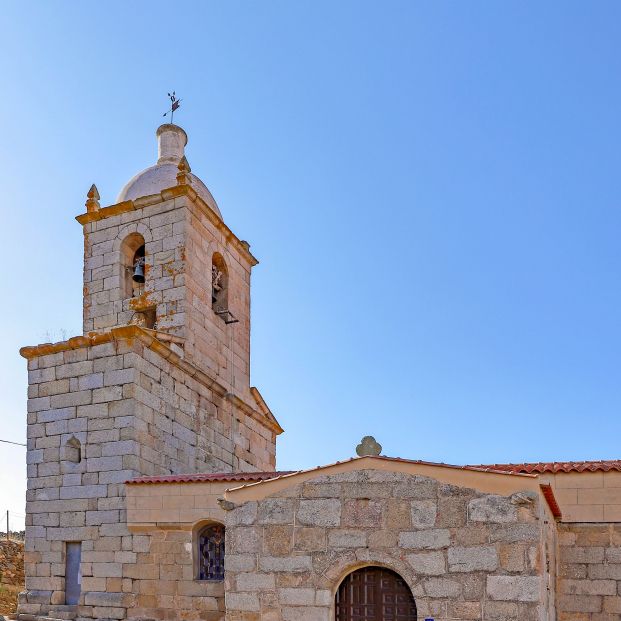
(164, 581)
(87, 394)
(186, 427)
(589, 580)
(180, 240)
(162, 226)
(134, 413)
(466, 555)
(593, 497)
(169, 516)
(210, 342)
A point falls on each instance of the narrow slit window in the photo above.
(73, 576)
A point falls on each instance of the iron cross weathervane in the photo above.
(174, 104)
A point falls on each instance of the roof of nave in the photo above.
(251, 484)
(209, 477)
(553, 467)
(484, 478)
(520, 469)
(256, 477)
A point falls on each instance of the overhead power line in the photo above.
(16, 443)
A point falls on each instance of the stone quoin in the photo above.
(153, 491)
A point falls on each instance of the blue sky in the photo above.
(431, 188)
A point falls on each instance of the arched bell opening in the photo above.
(138, 266)
(133, 273)
(374, 594)
(219, 285)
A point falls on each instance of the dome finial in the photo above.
(171, 141)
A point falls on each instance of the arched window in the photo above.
(211, 553)
(374, 593)
(132, 265)
(219, 286)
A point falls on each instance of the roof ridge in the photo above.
(600, 465)
(200, 477)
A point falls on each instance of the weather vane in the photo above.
(174, 104)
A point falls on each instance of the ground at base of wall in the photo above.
(8, 598)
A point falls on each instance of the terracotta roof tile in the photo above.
(526, 468)
(558, 466)
(440, 464)
(201, 478)
(256, 477)
(548, 494)
(395, 459)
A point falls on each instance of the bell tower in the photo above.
(162, 258)
(159, 381)
(158, 384)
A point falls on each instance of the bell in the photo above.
(138, 275)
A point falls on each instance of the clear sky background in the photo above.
(432, 189)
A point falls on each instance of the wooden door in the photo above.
(374, 594)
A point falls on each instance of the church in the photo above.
(153, 491)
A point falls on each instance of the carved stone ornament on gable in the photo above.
(368, 446)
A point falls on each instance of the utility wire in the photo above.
(9, 442)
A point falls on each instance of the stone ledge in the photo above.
(28, 617)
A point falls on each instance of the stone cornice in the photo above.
(168, 194)
(258, 397)
(155, 341)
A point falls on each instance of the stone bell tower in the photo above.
(157, 384)
(163, 258)
(167, 289)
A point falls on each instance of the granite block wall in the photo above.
(181, 235)
(465, 555)
(99, 415)
(589, 580)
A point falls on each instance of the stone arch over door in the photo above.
(374, 593)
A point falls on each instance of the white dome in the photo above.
(171, 142)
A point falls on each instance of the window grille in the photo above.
(211, 553)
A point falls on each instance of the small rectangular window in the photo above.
(73, 577)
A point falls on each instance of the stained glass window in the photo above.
(211, 553)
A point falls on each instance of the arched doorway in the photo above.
(374, 594)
